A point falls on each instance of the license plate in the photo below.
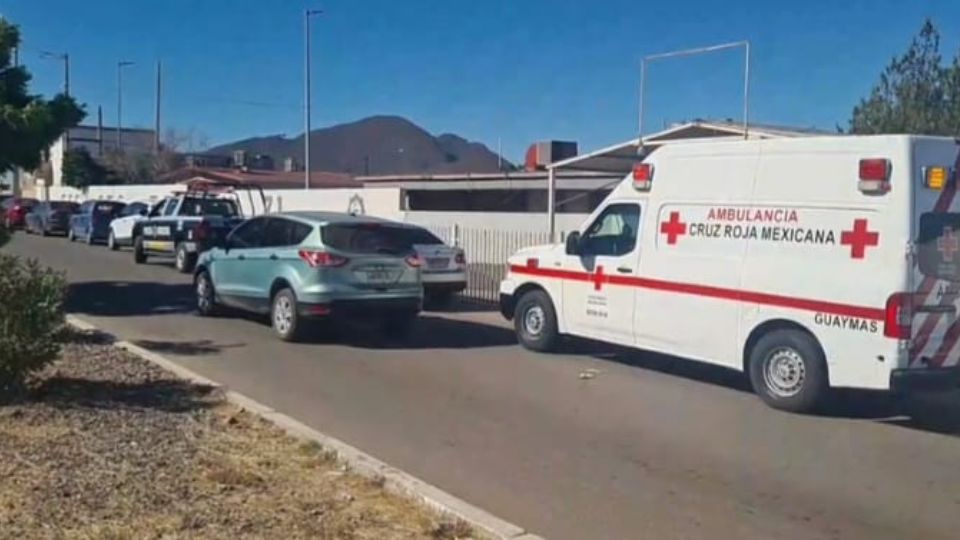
(376, 274)
(437, 262)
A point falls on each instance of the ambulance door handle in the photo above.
(624, 270)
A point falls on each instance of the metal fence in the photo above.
(487, 252)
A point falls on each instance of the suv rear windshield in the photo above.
(64, 205)
(108, 207)
(938, 245)
(375, 238)
(196, 206)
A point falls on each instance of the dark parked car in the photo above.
(92, 222)
(14, 210)
(50, 217)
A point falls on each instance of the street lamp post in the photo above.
(120, 65)
(65, 58)
(306, 94)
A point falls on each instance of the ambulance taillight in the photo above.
(642, 176)
(874, 176)
(898, 315)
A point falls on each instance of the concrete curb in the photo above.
(364, 464)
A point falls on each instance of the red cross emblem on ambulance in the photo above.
(859, 238)
(948, 244)
(673, 228)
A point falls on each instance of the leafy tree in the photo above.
(28, 123)
(916, 93)
(31, 298)
(80, 170)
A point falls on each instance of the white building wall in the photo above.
(487, 237)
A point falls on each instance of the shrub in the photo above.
(4, 235)
(31, 318)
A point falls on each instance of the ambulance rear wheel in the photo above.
(536, 322)
(788, 371)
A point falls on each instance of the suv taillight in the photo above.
(202, 231)
(414, 261)
(460, 259)
(321, 259)
(898, 316)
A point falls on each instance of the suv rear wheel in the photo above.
(139, 255)
(283, 315)
(536, 322)
(206, 295)
(788, 371)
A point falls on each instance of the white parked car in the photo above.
(444, 268)
(121, 228)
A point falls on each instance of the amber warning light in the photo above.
(936, 178)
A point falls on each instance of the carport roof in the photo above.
(620, 158)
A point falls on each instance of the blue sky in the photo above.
(520, 70)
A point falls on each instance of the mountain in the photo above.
(376, 145)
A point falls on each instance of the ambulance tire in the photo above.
(535, 322)
(788, 371)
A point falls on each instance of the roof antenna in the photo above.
(691, 52)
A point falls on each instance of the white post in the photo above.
(551, 200)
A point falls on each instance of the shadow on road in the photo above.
(937, 413)
(430, 332)
(662, 363)
(129, 298)
(462, 305)
(186, 348)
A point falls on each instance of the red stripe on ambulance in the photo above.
(736, 295)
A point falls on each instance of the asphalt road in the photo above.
(651, 447)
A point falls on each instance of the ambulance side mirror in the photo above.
(573, 243)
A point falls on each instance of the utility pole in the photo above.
(65, 58)
(16, 170)
(99, 131)
(306, 94)
(120, 65)
(156, 126)
(499, 155)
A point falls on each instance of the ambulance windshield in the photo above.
(938, 245)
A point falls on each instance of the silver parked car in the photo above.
(314, 265)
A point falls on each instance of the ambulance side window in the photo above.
(613, 233)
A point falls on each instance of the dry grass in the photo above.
(96, 453)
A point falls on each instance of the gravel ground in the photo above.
(106, 445)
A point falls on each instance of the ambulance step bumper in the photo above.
(925, 379)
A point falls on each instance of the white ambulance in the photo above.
(808, 263)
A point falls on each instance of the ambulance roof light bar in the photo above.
(874, 177)
(642, 176)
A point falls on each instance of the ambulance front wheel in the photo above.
(788, 371)
(536, 322)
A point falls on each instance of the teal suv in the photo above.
(298, 266)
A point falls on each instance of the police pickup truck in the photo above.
(185, 225)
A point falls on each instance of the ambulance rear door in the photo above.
(934, 325)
